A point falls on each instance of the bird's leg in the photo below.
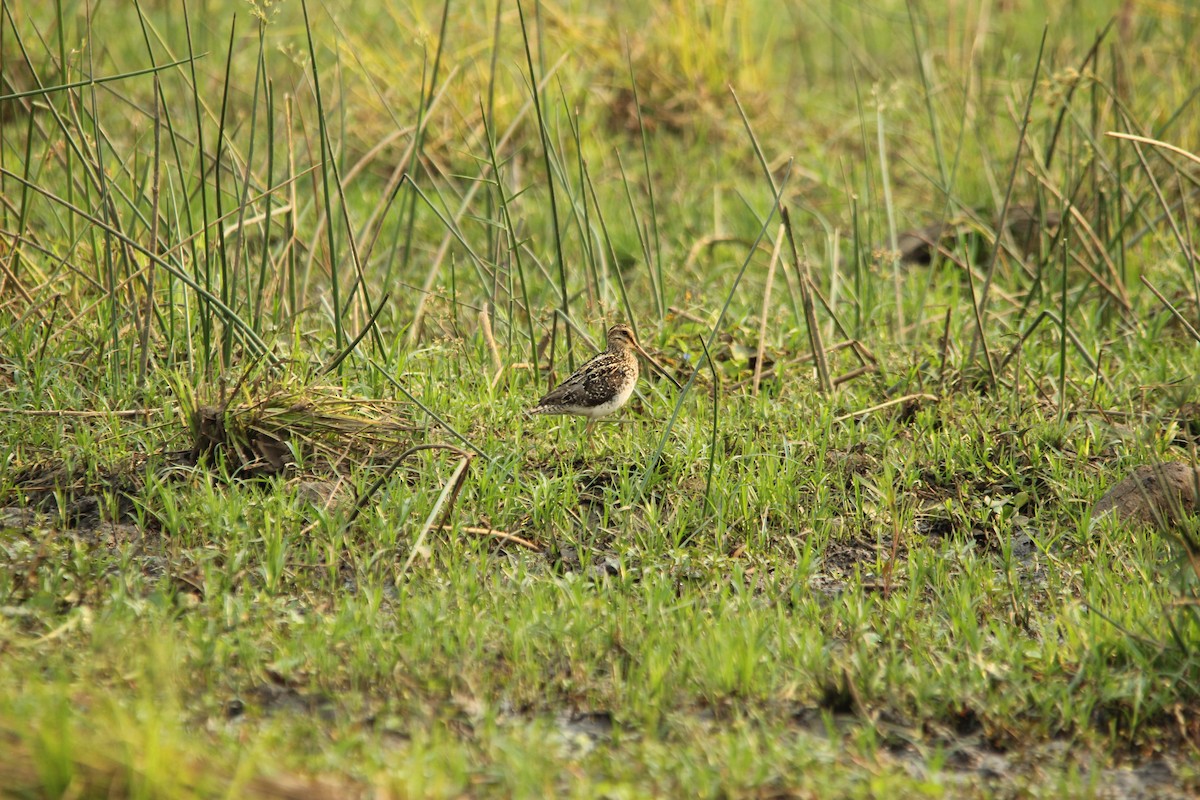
(587, 433)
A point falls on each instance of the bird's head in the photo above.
(620, 337)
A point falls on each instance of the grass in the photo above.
(274, 521)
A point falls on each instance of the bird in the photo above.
(602, 385)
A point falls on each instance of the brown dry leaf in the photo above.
(1153, 494)
(1024, 223)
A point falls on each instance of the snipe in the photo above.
(603, 384)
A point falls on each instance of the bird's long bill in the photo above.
(661, 369)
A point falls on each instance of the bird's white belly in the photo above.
(610, 405)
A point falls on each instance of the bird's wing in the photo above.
(584, 388)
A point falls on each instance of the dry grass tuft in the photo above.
(273, 430)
